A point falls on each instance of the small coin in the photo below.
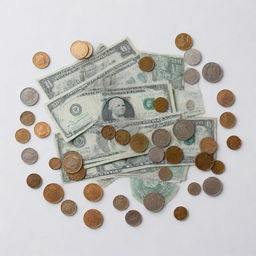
(226, 98)
(22, 135)
(90, 47)
(68, 207)
(154, 201)
(53, 193)
(42, 130)
(146, 64)
(156, 154)
(139, 142)
(29, 96)
(93, 192)
(41, 60)
(212, 186)
(121, 202)
(183, 41)
(218, 167)
(78, 175)
(79, 49)
(72, 162)
(183, 129)
(204, 161)
(192, 57)
(27, 118)
(234, 142)
(212, 72)
(55, 163)
(34, 180)
(174, 155)
(165, 173)
(161, 137)
(108, 132)
(93, 218)
(29, 156)
(122, 137)
(194, 189)
(133, 218)
(191, 76)
(208, 145)
(161, 104)
(228, 120)
(180, 213)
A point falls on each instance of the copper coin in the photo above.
(72, 162)
(90, 47)
(108, 132)
(27, 118)
(218, 167)
(146, 64)
(122, 137)
(208, 145)
(53, 193)
(161, 137)
(41, 60)
(165, 173)
(133, 218)
(156, 154)
(34, 180)
(212, 186)
(204, 161)
(194, 189)
(22, 135)
(55, 163)
(212, 72)
(228, 120)
(174, 155)
(154, 201)
(183, 129)
(180, 213)
(42, 130)
(139, 142)
(79, 49)
(234, 142)
(161, 104)
(29, 156)
(68, 207)
(80, 175)
(226, 98)
(93, 192)
(121, 202)
(183, 41)
(93, 218)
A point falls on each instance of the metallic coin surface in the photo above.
(146, 64)
(139, 142)
(53, 193)
(68, 207)
(183, 129)
(29, 156)
(93, 218)
(93, 192)
(72, 162)
(191, 76)
(174, 155)
(41, 60)
(108, 132)
(194, 189)
(204, 161)
(212, 186)
(161, 104)
(22, 135)
(156, 154)
(165, 173)
(183, 41)
(133, 218)
(34, 180)
(42, 130)
(80, 175)
(122, 137)
(90, 47)
(27, 118)
(154, 201)
(121, 202)
(234, 142)
(208, 145)
(55, 163)
(79, 49)
(218, 167)
(29, 96)
(227, 120)
(180, 213)
(192, 57)
(212, 72)
(161, 137)
(226, 98)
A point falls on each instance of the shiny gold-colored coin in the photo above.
(42, 130)
(161, 104)
(78, 175)
(93, 218)
(123, 137)
(22, 135)
(228, 120)
(139, 142)
(93, 192)
(208, 145)
(41, 60)
(55, 163)
(183, 41)
(27, 118)
(53, 193)
(79, 49)
(108, 132)
(174, 155)
(147, 64)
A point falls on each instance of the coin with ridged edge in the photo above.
(212, 72)
(29, 156)
(183, 129)
(192, 57)
(191, 76)
(29, 96)
(154, 201)
(156, 154)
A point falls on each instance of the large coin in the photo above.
(208, 145)
(121, 202)
(68, 207)
(108, 132)
(41, 60)
(204, 161)
(29, 96)
(192, 57)
(93, 192)
(165, 173)
(133, 218)
(93, 218)
(174, 155)
(55, 163)
(27, 118)
(29, 156)
(122, 137)
(228, 120)
(72, 162)
(183, 129)
(218, 167)
(161, 104)
(53, 193)
(79, 49)
(161, 137)
(191, 76)
(139, 142)
(156, 154)
(90, 47)
(22, 135)
(212, 186)
(34, 180)
(194, 189)
(226, 98)
(212, 72)
(146, 64)
(234, 142)
(154, 201)
(180, 213)
(78, 175)
(42, 130)
(183, 41)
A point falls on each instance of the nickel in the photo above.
(154, 202)
(34, 180)
(226, 98)
(212, 186)
(161, 137)
(194, 189)
(191, 76)
(133, 218)
(165, 173)
(212, 72)
(29, 156)
(29, 96)
(192, 57)
(183, 129)
(156, 154)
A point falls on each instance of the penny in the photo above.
(29, 96)
(154, 201)
(212, 72)
(191, 76)
(93, 192)
(53, 193)
(72, 162)
(161, 104)
(183, 129)
(234, 142)
(108, 132)
(79, 49)
(122, 137)
(183, 41)
(227, 120)
(55, 163)
(133, 218)
(34, 180)
(29, 156)
(78, 175)
(226, 98)
(204, 161)
(68, 207)
(208, 145)
(218, 167)
(146, 64)
(41, 60)
(90, 52)
(42, 130)
(156, 154)
(139, 142)
(161, 137)
(121, 202)
(27, 118)
(192, 57)
(180, 213)
(212, 186)
(194, 189)
(22, 135)
(174, 155)
(165, 173)
(93, 218)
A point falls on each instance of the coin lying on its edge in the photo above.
(41, 60)
(53, 193)
(93, 218)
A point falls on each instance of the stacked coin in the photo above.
(81, 49)
(72, 162)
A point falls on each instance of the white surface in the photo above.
(224, 31)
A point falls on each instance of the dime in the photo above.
(192, 57)
(228, 120)
(93, 218)
(183, 41)
(154, 201)
(156, 154)
(34, 180)
(226, 98)
(72, 162)
(165, 173)
(180, 213)
(122, 137)
(183, 129)
(68, 207)
(234, 142)
(42, 130)
(93, 192)
(53, 193)
(29, 156)
(146, 64)
(78, 175)
(218, 167)
(161, 104)
(22, 135)
(208, 145)
(191, 76)
(212, 186)
(41, 60)
(55, 163)
(174, 155)
(194, 189)
(108, 132)
(133, 218)
(212, 72)
(204, 161)
(27, 118)
(121, 202)
(139, 142)
(79, 49)
(90, 52)
(161, 138)
(29, 96)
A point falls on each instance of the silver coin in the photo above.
(192, 57)
(183, 129)
(190, 105)
(191, 76)
(212, 186)
(212, 72)
(156, 154)
(29, 96)
(29, 156)
(154, 201)
(161, 138)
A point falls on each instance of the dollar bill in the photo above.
(100, 48)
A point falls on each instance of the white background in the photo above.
(224, 31)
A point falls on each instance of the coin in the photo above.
(183, 41)
(34, 180)
(108, 132)
(55, 163)
(180, 213)
(165, 173)
(234, 142)
(78, 175)
(204, 161)
(218, 167)
(22, 135)
(174, 155)
(29, 156)
(121, 202)
(93, 192)
(154, 201)
(133, 218)
(191, 76)
(228, 120)
(29, 96)
(161, 137)
(226, 98)
(27, 118)
(183, 129)
(212, 186)
(194, 189)
(156, 154)
(93, 218)
(212, 72)
(161, 104)
(53, 193)
(208, 145)
(68, 207)
(146, 64)
(41, 60)
(122, 137)
(42, 130)
(90, 47)
(72, 162)
(79, 49)
(139, 142)
(192, 57)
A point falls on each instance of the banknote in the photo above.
(100, 48)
